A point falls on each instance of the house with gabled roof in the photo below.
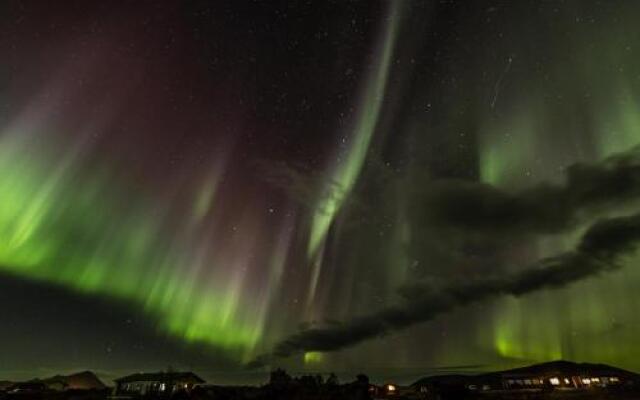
(158, 383)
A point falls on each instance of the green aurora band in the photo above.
(81, 229)
(80, 233)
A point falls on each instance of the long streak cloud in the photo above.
(600, 250)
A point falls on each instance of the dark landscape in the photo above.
(552, 380)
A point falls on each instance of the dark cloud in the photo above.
(600, 250)
(543, 209)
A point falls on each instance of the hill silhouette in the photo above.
(85, 380)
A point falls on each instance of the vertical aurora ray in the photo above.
(345, 173)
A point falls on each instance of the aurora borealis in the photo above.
(324, 186)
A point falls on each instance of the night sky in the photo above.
(388, 187)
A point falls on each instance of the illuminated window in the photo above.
(163, 386)
(586, 381)
(554, 381)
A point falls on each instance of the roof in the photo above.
(567, 368)
(160, 377)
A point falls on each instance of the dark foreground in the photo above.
(553, 380)
(267, 393)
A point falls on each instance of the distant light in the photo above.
(586, 381)
(554, 381)
(391, 388)
(311, 357)
(567, 381)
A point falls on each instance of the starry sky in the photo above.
(388, 187)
